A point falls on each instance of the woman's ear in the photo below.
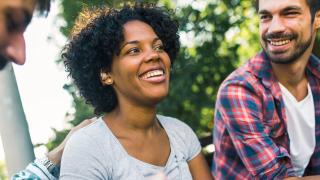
(106, 78)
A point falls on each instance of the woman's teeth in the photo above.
(152, 74)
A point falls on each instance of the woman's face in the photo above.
(141, 70)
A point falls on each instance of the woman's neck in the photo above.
(132, 117)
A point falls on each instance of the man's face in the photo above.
(286, 30)
(15, 16)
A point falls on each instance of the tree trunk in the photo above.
(14, 130)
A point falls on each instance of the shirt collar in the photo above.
(261, 68)
(314, 66)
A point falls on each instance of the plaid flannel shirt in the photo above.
(250, 129)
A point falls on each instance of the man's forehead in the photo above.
(275, 4)
(28, 5)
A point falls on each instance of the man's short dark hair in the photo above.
(43, 7)
(314, 6)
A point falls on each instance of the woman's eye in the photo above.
(133, 51)
(159, 48)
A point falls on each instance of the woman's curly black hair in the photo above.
(96, 38)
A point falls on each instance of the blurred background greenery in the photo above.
(217, 36)
(3, 171)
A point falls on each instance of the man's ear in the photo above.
(317, 20)
(106, 78)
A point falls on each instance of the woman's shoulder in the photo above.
(85, 155)
(90, 136)
(181, 136)
(92, 141)
(95, 128)
(172, 123)
(175, 126)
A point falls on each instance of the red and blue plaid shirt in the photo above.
(250, 129)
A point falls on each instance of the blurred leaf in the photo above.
(3, 171)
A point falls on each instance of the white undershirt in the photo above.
(301, 128)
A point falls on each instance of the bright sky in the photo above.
(40, 80)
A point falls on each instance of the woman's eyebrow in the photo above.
(129, 42)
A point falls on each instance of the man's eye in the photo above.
(264, 17)
(292, 13)
(17, 21)
(12, 25)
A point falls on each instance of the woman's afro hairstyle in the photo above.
(96, 38)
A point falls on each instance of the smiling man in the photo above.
(15, 16)
(267, 119)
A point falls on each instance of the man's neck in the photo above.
(293, 77)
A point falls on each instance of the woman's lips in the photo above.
(153, 76)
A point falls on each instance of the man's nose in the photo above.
(276, 25)
(16, 48)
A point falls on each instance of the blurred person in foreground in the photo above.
(15, 16)
(267, 119)
(120, 60)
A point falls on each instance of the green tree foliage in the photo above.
(78, 113)
(217, 36)
(220, 35)
(3, 171)
(71, 9)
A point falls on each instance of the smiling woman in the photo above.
(120, 60)
(141, 70)
(88, 60)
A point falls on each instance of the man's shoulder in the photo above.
(241, 76)
(248, 75)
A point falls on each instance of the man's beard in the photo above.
(298, 50)
(3, 61)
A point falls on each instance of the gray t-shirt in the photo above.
(94, 152)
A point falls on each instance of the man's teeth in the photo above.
(152, 74)
(279, 43)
